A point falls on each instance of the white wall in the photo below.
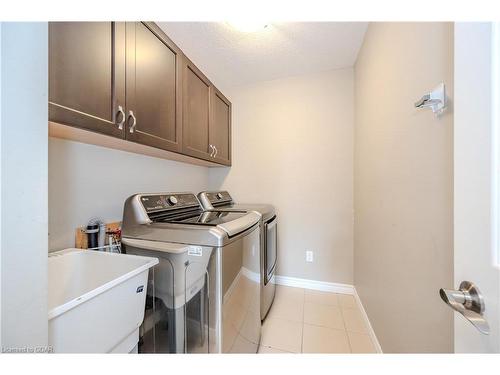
(87, 181)
(403, 185)
(24, 184)
(293, 148)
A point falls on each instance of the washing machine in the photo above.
(222, 201)
(204, 295)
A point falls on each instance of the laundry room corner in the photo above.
(298, 151)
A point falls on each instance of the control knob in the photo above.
(219, 196)
(172, 200)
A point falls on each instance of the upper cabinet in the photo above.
(153, 94)
(130, 81)
(206, 118)
(87, 75)
(220, 127)
(196, 112)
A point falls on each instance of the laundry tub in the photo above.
(96, 300)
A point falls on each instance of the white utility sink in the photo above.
(96, 300)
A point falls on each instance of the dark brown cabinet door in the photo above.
(220, 127)
(196, 112)
(129, 80)
(87, 75)
(153, 87)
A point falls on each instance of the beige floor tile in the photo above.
(282, 334)
(287, 308)
(354, 321)
(323, 315)
(347, 301)
(324, 340)
(270, 350)
(289, 294)
(250, 329)
(234, 312)
(230, 333)
(324, 298)
(360, 343)
(243, 346)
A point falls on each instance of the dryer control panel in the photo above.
(217, 198)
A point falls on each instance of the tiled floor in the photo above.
(309, 321)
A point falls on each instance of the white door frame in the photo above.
(23, 202)
(475, 179)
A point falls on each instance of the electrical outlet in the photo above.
(309, 256)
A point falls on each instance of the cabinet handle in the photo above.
(134, 123)
(122, 113)
(212, 150)
(216, 151)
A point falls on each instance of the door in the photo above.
(87, 75)
(220, 128)
(196, 112)
(476, 194)
(153, 87)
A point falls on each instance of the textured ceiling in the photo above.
(231, 58)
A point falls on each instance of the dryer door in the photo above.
(270, 253)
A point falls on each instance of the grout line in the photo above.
(357, 308)
(326, 327)
(343, 319)
(349, 341)
(345, 328)
(281, 350)
(303, 313)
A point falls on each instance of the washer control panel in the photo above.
(162, 202)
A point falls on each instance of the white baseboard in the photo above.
(333, 288)
(254, 276)
(315, 285)
(371, 332)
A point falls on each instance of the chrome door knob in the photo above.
(469, 302)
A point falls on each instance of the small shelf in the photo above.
(61, 131)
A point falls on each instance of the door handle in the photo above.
(122, 113)
(134, 122)
(469, 302)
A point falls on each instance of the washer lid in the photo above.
(231, 222)
(266, 210)
(240, 224)
(210, 218)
